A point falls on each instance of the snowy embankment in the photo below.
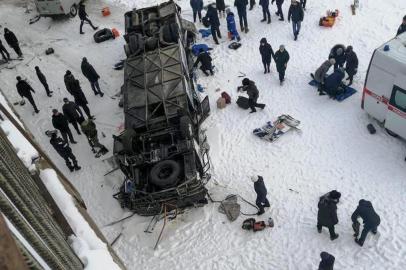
(335, 151)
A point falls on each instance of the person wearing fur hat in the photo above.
(327, 261)
(260, 190)
(402, 27)
(253, 94)
(338, 53)
(327, 214)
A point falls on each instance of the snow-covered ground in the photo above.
(335, 151)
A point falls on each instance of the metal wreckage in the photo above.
(163, 151)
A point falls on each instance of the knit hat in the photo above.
(18, 78)
(334, 194)
(68, 72)
(65, 100)
(332, 61)
(54, 111)
(340, 51)
(282, 46)
(263, 40)
(349, 48)
(245, 81)
(254, 178)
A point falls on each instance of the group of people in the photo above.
(12, 41)
(332, 84)
(72, 112)
(281, 58)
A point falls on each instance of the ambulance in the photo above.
(50, 8)
(384, 95)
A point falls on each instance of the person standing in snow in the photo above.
(371, 220)
(338, 53)
(265, 49)
(80, 98)
(69, 81)
(63, 149)
(84, 17)
(281, 59)
(279, 12)
(351, 64)
(320, 74)
(89, 129)
(260, 190)
(221, 7)
(24, 90)
(265, 10)
(241, 6)
(205, 60)
(327, 214)
(197, 6)
(72, 112)
(296, 14)
(402, 27)
(214, 20)
(253, 94)
(231, 26)
(90, 73)
(327, 261)
(60, 122)
(12, 41)
(4, 52)
(43, 81)
(303, 3)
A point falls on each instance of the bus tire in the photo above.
(165, 173)
(73, 11)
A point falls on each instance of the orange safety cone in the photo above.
(115, 32)
(105, 11)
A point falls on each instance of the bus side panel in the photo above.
(377, 92)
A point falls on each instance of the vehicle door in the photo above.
(396, 115)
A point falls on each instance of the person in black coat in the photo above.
(12, 41)
(213, 18)
(90, 73)
(327, 261)
(351, 64)
(265, 10)
(281, 60)
(327, 214)
(60, 122)
(253, 94)
(69, 80)
(260, 189)
(84, 17)
(4, 52)
(24, 90)
(333, 83)
(303, 3)
(197, 6)
(205, 60)
(43, 80)
(241, 6)
(279, 12)
(371, 220)
(402, 27)
(80, 98)
(338, 53)
(221, 7)
(63, 149)
(72, 112)
(296, 14)
(266, 51)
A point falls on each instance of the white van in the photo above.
(49, 8)
(384, 96)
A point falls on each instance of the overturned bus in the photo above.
(163, 152)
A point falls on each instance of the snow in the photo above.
(334, 151)
(89, 248)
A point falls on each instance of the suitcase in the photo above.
(226, 97)
(221, 103)
(242, 102)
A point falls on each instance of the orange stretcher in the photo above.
(330, 19)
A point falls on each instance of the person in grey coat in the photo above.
(320, 74)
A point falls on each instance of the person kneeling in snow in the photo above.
(232, 28)
(371, 220)
(253, 94)
(333, 83)
(61, 146)
(260, 189)
(327, 261)
(88, 128)
(320, 74)
(205, 59)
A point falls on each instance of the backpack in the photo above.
(242, 102)
(234, 45)
(226, 97)
(248, 224)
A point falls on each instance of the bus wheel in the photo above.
(393, 134)
(73, 10)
